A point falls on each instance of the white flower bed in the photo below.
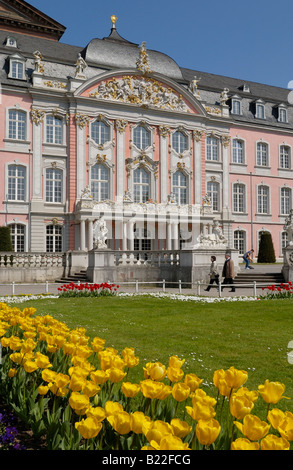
(161, 295)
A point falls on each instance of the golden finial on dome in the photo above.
(114, 19)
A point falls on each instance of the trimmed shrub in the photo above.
(5, 239)
(266, 251)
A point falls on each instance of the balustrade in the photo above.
(31, 260)
(147, 258)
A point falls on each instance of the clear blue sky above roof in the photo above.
(250, 40)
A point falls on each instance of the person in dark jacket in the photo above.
(228, 272)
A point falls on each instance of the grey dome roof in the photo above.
(116, 52)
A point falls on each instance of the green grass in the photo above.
(247, 335)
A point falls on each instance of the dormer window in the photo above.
(260, 110)
(10, 42)
(246, 88)
(236, 105)
(282, 113)
(16, 67)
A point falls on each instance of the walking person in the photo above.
(248, 257)
(214, 273)
(228, 272)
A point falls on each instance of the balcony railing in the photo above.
(147, 258)
(31, 260)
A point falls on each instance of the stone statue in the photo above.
(80, 66)
(224, 96)
(39, 67)
(193, 87)
(100, 232)
(288, 228)
(214, 239)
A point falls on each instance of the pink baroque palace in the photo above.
(113, 131)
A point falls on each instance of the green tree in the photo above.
(266, 251)
(5, 239)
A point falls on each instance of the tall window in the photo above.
(213, 194)
(141, 137)
(141, 185)
(54, 130)
(238, 197)
(17, 232)
(238, 151)
(100, 132)
(180, 187)
(142, 239)
(285, 157)
(262, 154)
(236, 106)
(212, 149)
(54, 239)
(100, 182)
(240, 241)
(54, 185)
(16, 183)
(16, 124)
(17, 69)
(286, 200)
(263, 200)
(260, 111)
(283, 115)
(179, 142)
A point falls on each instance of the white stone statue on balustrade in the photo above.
(288, 228)
(100, 232)
(215, 239)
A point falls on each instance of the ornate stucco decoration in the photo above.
(164, 131)
(142, 91)
(212, 110)
(55, 84)
(197, 135)
(82, 120)
(121, 125)
(142, 62)
(37, 116)
(225, 140)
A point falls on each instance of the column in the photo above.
(90, 234)
(130, 236)
(169, 236)
(226, 183)
(120, 159)
(80, 158)
(164, 133)
(37, 155)
(197, 167)
(82, 235)
(124, 236)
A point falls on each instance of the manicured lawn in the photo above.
(247, 335)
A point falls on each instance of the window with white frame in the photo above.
(286, 200)
(100, 132)
(239, 197)
(238, 151)
(179, 142)
(16, 69)
(212, 151)
(17, 232)
(240, 241)
(54, 185)
(284, 241)
(180, 187)
(263, 201)
(214, 195)
(141, 137)
(260, 111)
(285, 157)
(282, 117)
(54, 239)
(141, 185)
(54, 130)
(16, 190)
(16, 124)
(262, 154)
(100, 182)
(236, 106)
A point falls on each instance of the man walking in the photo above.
(228, 272)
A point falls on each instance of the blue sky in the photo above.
(251, 40)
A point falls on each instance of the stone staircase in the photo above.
(262, 279)
(76, 277)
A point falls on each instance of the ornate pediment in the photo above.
(141, 91)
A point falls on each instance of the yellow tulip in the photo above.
(137, 420)
(105, 358)
(14, 343)
(12, 373)
(90, 389)
(79, 403)
(69, 348)
(88, 427)
(174, 374)
(120, 422)
(48, 375)
(272, 442)
(201, 411)
(272, 392)
(285, 427)
(235, 377)
(151, 389)
(165, 392)
(30, 366)
(116, 375)
(181, 428)
(154, 370)
(175, 362)
(207, 431)
(192, 381)
(43, 389)
(100, 376)
(42, 361)
(253, 428)
(112, 407)
(275, 417)
(170, 443)
(244, 444)
(96, 412)
(129, 357)
(156, 430)
(240, 406)
(180, 391)
(98, 344)
(76, 382)
(61, 380)
(130, 390)
(220, 382)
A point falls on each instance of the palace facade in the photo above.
(116, 130)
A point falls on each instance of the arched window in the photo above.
(17, 232)
(180, 187)
(54, 185)
(100, 132)
(141, 185)
(16, 124)
(100, 182)
(54, 239)
(54, 130)
(16, 183)
(179, 142)
(141, 137)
